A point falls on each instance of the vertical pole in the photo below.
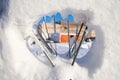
(46, 28)
(54, 25)
(68, 28)
(78, 49)
(49, 36)
(77, 36)
(55, 34)
(53, 65)
(43, 49)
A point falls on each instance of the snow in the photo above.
(17, 18)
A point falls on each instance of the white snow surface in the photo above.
(17, 18)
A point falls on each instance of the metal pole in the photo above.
(41, 47)
(68, 28)
(78, 49)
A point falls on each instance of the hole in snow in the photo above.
(93, 60)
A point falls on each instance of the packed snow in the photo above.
(17, 18)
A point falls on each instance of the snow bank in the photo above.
(16, 62)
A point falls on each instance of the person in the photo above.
(91, 36)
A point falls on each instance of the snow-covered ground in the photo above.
(17, 18)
